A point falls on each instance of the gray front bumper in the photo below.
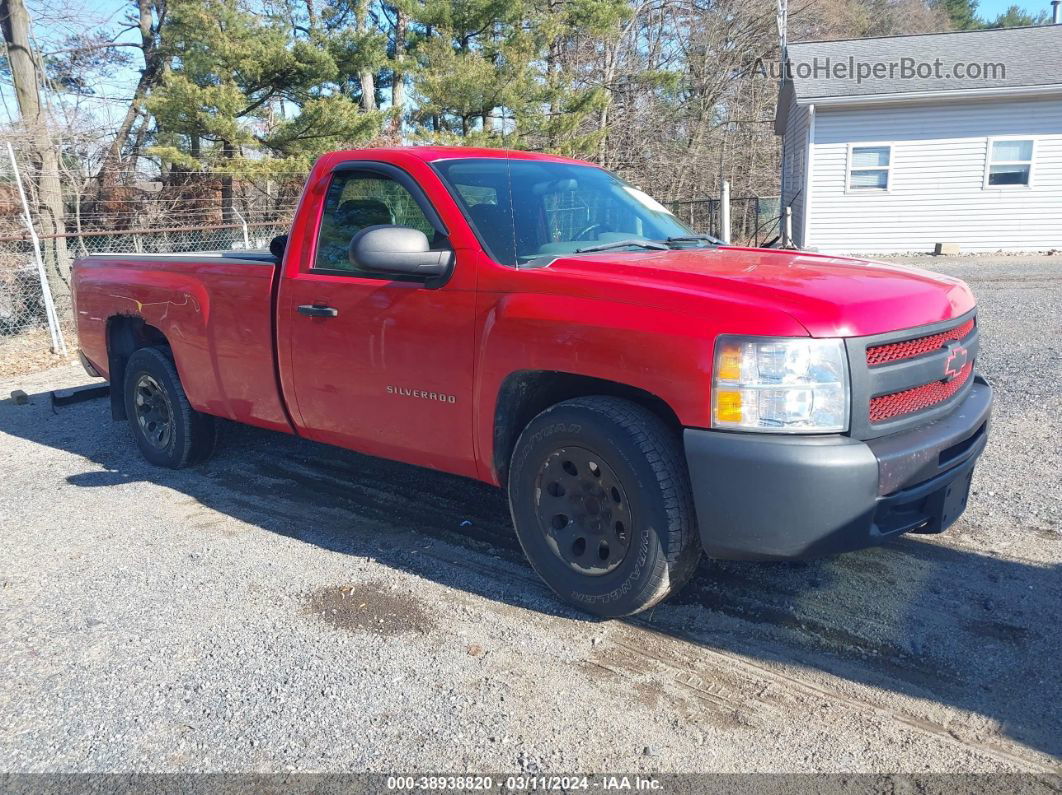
(771, 496)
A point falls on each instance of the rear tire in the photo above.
(600, 498)
(168, 431)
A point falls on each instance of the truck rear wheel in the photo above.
(600, 499)
(168, 431)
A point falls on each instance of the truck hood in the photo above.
(829, 296)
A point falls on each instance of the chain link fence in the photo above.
(115, 212)
(21, 298)
(25, 338)
(754, 220)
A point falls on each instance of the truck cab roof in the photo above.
(431, 154)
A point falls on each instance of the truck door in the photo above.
(377, 363)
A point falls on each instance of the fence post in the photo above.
(58, 343)
(243, 223)
(787, 235)
(724, 213)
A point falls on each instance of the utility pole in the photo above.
(27, 75)
(782, 19)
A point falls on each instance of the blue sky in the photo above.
(56, 19)
(993, 8)
(116, 9)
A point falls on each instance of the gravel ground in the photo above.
(289, 606)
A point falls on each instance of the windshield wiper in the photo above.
(654, 244)
(696, 239)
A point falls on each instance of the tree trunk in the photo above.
(227, 195)
(150, 76)
(553, 56)
(365, 75)
(608, 75)
(398, 85)
(368, 89)
(26, 76)
(139, 138)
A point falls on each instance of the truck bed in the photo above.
(215, 308)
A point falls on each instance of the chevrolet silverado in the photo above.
(642, 392)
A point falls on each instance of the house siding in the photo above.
(936, 186)
(794, 163)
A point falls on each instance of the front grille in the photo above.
(908, 401)
(903, 379)
(909, 349)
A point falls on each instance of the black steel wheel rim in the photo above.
(154, 413)
(583, 511)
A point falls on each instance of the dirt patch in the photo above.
(696, 699)
(647, 695)
(368, 608)
(31, 352)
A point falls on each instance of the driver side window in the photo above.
(355, 201)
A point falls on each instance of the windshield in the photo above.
(526, 209)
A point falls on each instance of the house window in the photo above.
(868, 168)
(1010, 162)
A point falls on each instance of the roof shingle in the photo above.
(1029, 56)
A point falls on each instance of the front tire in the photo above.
(168, 431)
(600, 498)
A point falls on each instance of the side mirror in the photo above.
(398, 250)
(277, 246)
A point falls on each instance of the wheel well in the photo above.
(524, 395)
(125, 334)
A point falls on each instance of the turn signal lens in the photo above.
(797, 385)
(728, 405)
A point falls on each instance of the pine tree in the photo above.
(233, 72)
(353, 38)
(962, 13)
(473, 74)
(570, 100)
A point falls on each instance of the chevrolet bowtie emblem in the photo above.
(956, 361)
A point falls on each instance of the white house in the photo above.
(897, 144)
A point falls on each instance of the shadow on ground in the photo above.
(918, 618)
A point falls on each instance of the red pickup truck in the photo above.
(642, 392)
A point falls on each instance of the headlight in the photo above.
(797, 385)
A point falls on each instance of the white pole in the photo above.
(58, 343)
(782, 20)
(724, 213)
(787, 235)
(246, 237)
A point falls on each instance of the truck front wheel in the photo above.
(168, 431)
(600, 499)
